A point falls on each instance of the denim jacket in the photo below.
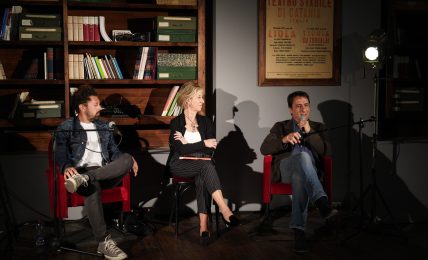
(70, 139)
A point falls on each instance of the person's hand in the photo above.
(135, 167)
(292, 138)
(211, 143)
(179, 136)
(69, 172)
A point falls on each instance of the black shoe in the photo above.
(205, 238)
(300, 242)
(233, 221)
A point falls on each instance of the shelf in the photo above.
(38, 82)
(148, 83)
(130, 6)
(131, 44)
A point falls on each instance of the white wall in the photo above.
(235, 84)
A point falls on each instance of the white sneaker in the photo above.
(333, 213)
(74, 182)
(110, 250)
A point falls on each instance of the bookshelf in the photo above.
(149, 96)
(403, 92)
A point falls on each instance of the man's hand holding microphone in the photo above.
(297, 137)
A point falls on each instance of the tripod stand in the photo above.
(372, 189)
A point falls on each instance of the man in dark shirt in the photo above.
(298, 147)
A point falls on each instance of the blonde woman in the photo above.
(193, 134)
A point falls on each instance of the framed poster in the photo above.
(299, 42)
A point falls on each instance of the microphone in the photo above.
(302, 130)
(112, 125)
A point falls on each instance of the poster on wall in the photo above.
(299, 42)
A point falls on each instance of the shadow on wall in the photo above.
(241, 184)
(403, 205)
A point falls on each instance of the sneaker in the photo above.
(331, 215)
(74, 182)
(110, 250)
(300, 242)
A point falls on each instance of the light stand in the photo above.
(373, 56)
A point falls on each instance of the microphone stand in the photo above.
(56, 242)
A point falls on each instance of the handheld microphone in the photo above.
(112, 125)
(302, 130)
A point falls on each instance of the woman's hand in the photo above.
(211, 143)
(179, 136)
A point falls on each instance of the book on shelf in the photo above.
(176, 22)
(33, 70)
(70, 28)
(176, 66)
(150, 68)
(140, 62)
(10, 23)
(20, 98)
(96, 29)
(174, 37)
(176, 2)
(40, 33)
(50, 62)
(172, 106)
(40, 20)
(2, 72)
(102, 28)
(169, 100)
(31, 110)
(71, 66)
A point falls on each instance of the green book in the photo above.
(172, 107)
(40, 33)
(176, 22)
(161, 37)
(189, 73)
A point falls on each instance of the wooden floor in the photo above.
(253, 239)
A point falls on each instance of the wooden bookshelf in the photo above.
(403, 80)
(149, 96)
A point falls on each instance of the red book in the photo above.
(96, 29)
(85, 28)
(50, 63)
(91, 28)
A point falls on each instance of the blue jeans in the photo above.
(299, 170)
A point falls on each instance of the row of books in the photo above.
(41, 68)
(9, 23)
(86, 66)
(176, 29)
(87, 28)
(145, 63)
(171, 108)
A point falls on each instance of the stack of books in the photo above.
(171, 108)
(9, 23)
(177, 66)
(145, 63)
(42, 109)
(40, 27)
(86, 66)
(176, 29)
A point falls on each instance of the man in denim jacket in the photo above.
(91, 161)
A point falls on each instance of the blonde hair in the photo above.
(186, 92)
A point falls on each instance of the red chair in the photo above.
(274, 188)
(120, 193)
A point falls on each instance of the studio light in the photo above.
(373, 49)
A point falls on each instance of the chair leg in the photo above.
(177, 202)
(217, 213)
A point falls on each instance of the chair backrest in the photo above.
(270, 188)
(64, 199)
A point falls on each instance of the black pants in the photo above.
(206, 178)
(107, 176)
